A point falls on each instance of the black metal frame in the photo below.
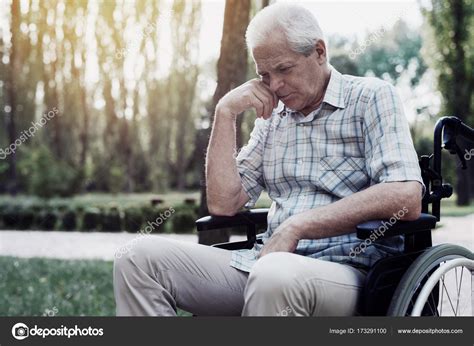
(383, 277)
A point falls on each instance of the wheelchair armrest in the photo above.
(253, 217)
(423, 223)
(238, 245)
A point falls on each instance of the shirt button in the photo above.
(300, 162)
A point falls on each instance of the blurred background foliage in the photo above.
(125, 126)
(135, 106)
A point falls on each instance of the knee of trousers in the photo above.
(271, 275)
(139, 253)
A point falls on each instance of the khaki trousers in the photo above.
(157, 275)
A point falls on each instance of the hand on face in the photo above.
(252, 94)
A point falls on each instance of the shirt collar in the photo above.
(335, 90)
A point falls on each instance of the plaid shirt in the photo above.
(358, 137)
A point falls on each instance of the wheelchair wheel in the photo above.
(438, 283)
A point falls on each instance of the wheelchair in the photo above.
(417, 282)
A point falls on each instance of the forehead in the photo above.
(273, 53)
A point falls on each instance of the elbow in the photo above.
(221, 211)
(412, 204)
(414, 212)
(222, 205)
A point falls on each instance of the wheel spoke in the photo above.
(472, 293)
(456, 274)
(432, 305)
(447, 294)
(459, 290)
(441, 302)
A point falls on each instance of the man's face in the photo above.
(297, 80)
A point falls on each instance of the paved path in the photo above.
(456, 230)
(73, 245)
(96, 245)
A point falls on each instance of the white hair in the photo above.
(298, 24)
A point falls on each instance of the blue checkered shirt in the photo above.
(358, 137)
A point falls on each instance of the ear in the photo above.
(320, 50)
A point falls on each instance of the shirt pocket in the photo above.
(342, 176)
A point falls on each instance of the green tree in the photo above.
(11, 91)
(392, 52)
(449, 51)
(231, 72)
(183, 77)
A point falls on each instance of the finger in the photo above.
(265, 97)
(266, 89)
(274, 97)
(258, 105)
(261, 100)
(267, 102)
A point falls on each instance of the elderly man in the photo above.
(332, 151)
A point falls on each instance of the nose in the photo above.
(275, 84)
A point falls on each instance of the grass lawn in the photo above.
(38, 286)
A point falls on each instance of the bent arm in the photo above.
(380, 201)
(225, 194)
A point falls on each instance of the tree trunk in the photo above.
(84, 135)
(231, 72)
(57, 121)
(461, 95)
(11, 91)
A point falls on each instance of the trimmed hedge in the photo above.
(133, 220)
(112, 220)
(149, 218)
(26, 218)
(184, 218)
(90, 220)
(155, 220)
(11, 217)
(47, 220)
(69, 222)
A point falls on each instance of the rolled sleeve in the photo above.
(250, 163)
(389, 150)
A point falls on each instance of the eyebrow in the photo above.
(279, 65)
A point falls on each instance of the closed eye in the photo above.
(285, 69)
